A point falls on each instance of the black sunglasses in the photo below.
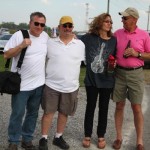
(69, 25)
(37, 24)
(124, 18)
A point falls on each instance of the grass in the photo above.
(82, 72)
(82, 75)
(2, 63)
(147, 76)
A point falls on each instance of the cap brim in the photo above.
(123, 14)
(67, 22)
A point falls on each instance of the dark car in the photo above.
(147, 62)
(80, 34)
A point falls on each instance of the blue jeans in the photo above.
(25, 106)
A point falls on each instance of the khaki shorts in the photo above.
(129, 84)
(53, 101)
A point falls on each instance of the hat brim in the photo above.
(67, 22)
(123, 14)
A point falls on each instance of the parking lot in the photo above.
(74, 130)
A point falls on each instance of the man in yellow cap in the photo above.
(64, 57)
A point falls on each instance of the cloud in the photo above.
(45, 1)
(143, 12)
(145, 0)
(84, 5)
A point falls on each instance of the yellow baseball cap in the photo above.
(65, 19)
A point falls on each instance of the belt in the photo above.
(126, 68)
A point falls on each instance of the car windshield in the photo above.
(5, 37)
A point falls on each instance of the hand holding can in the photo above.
(111, 64)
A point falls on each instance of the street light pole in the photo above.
(87, 13)
(148, 19)
(108, 6)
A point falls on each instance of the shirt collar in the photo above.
(59, 40)
(135, 31)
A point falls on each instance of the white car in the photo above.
(3, 40)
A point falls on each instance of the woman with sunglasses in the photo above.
(99, 80)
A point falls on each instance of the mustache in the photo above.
(69, 32)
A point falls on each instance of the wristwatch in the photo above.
(139, 55)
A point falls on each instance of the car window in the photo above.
(80, 34)
(5, 37)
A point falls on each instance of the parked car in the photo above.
(3, 40)
(147, 62)
(4, 31)
(80, 34)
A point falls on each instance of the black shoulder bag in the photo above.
(10, 81)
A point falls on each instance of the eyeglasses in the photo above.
(69, 25)
(37, 24)
(107, 21)
(125, 18)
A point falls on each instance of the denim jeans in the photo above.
(25, 106)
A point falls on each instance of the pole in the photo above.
(87, 13)
(148, 19)
(108, 6)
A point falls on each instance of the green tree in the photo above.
(23, 26)
(13, 27)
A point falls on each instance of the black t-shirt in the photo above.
(98, 49)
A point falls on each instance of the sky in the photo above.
(18, 11)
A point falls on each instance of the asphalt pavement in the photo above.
(74, 130)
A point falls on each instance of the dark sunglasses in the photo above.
(67, 25)
(107, 21)
(37, 24)
(124, 18)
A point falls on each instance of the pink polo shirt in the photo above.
(140, 41)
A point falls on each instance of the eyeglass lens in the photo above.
(107, 21)
(37, 24)
(125, 18)
(67, 25)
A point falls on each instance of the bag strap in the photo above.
(25, 35)
(20, 61)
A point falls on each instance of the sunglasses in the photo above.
(67, 25)
(107, 21)
(37, 24)
(124, 18)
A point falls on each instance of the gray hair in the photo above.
(39, 14)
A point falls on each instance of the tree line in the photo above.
(14, 27)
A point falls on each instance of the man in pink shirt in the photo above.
(133, 47)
